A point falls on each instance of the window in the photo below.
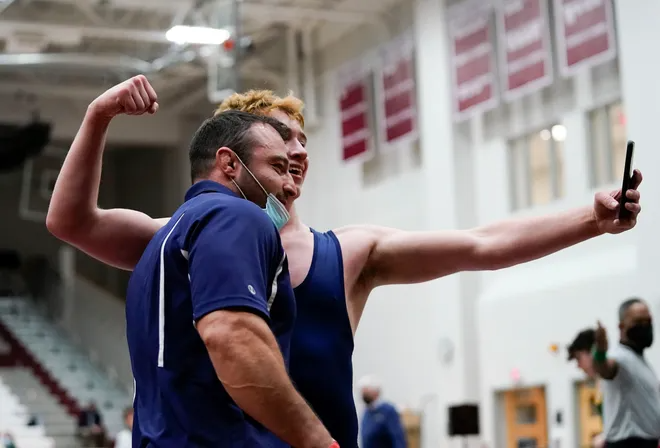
(607, 145)
(536, 162)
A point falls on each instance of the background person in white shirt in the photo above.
(631, 389)
(124, 437)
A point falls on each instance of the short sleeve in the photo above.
(230, 252)
(623, 358)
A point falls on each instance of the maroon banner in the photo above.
(354, 84)
(584, 33)
(396, 91)
(525, 52)
(472, 61)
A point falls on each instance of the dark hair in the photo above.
(582, 342)
(625, 306)
(229, 129)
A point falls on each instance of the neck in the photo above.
(295, 224)
(222, 180)
(632, 346)
(374, 403)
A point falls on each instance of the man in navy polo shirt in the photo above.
(209, 371)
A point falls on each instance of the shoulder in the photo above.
(623, 355)
(363, 230)
(225, 208)
(389, 408)
(361, 237)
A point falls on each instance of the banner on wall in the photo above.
(471, 58)
(525, 51)
(584, 33)
(395, 91)
(354, 87)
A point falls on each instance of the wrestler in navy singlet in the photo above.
(321, 363)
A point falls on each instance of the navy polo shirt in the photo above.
(217, 252)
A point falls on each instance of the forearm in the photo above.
(251, 368)
(605, 368)
(75, 196)
(516, 241)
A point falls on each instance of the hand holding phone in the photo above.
(624, 213)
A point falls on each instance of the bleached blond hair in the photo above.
(262, 102)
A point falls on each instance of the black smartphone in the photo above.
(624, 213)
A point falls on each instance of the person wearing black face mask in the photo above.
(631, 389)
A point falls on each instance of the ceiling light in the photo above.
(197, 35)
(559, 132)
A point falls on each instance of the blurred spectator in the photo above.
(581, 350)
(7, 441)
(90, 426)
(381, 423)
(34, 420)
(124, 437)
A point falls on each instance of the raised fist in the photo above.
(601, 338)
(134, 96)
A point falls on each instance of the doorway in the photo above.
(589, 411)
(526, 418)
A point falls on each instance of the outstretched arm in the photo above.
(118, 236)
(412, 257)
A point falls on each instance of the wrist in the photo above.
(96, 115)
(592, 223)
(599, 355)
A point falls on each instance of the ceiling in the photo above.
(77, 48)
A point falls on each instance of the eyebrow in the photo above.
(280, 158)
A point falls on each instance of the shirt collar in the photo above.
(375, 404)
(207, 186)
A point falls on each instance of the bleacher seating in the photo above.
(78, 378)
(14, 417)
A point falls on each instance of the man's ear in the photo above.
(225, 161)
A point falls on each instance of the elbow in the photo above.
(66, 225)
(57, 225)
(226, 334)
(606, 374)
(61, 226)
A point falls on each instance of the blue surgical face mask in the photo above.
(274, 208)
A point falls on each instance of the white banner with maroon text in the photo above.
(354, 82)
(395, 92)
(584, 33)
(525, 51)
(472, 59)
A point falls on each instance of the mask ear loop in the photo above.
(239, 189)
(253, 176)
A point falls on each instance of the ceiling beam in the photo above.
(281, 13)
(8, 27)
(50, 90)
(275, 13)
